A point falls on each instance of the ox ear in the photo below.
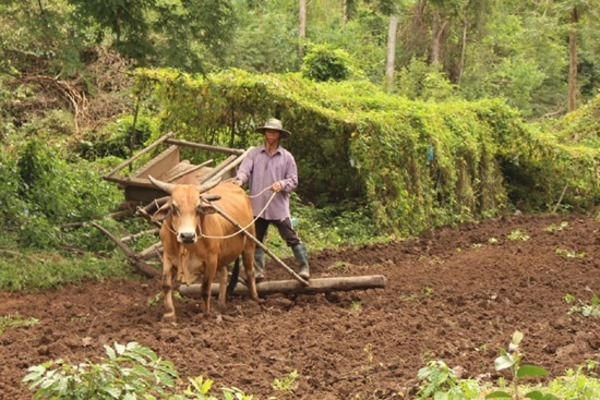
(162, 212)
(206, 209)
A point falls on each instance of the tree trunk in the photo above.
(344, 12)
(437, 38)
(391, 53)
(463, 50)
(301, 28)
(572, 97)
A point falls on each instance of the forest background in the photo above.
(407, 114)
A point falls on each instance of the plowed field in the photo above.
(455, 294)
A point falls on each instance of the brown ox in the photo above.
(196, 241)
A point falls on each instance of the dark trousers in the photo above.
(284, 226)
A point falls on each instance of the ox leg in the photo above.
(222, 287)
(248, 260)
(167, 286)
(207, 281)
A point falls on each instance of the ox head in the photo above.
(185, 208)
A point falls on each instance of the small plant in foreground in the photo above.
(439, 381)
(569, 253)
(356, 306)
(287, 383)
(587, 310)
(131, 372)
(557, 228)
(511, 360)
(518, 235)
(9, 321)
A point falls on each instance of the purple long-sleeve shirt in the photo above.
(260, 170)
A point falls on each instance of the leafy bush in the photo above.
(440, 382)
(323, 63)
(117, 139)
(41, 190)
(131, 372)
(408, 165)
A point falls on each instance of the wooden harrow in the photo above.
(143, 199)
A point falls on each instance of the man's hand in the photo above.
(276, 187)
(237, 182)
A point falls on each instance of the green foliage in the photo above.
(117, 139)
(266, 38)
(569, 253)
(287, 383)
(40, 36)
(517, 234)
(421, 81)
(409, 165)
(42, 190)
(131, 372)
(591, 309)
(12, 321)
(29, 270)
(323, 63)
(440, 382)
(580, 126)
(577, 384)
(511, 360)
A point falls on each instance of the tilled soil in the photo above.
(455, 294)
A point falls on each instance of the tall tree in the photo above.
(572, 96)
(301, 28)
(390, 64)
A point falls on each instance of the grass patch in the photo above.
(41, 271)
(11, 321)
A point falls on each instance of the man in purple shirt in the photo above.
(269, 169)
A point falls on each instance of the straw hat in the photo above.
(274, 124)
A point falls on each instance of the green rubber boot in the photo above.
(301, 255)
(259, 265)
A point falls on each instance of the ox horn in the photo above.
(206, 186)
(164, 186)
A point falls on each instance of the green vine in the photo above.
(411, 165)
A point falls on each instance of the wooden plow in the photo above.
(143, 197)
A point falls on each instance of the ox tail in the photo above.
(233, 280)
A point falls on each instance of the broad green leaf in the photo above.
(142, 371)
(498, 394)
(535, 395)
(165, 379)
(530, 370)
(503, 362)
(35, 373)
(114, 392)
(119, 348)
(517, 337)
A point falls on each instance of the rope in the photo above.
(239, 230)
(245, 227)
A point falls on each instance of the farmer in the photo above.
(271, 174)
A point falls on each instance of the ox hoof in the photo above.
(170, 318)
